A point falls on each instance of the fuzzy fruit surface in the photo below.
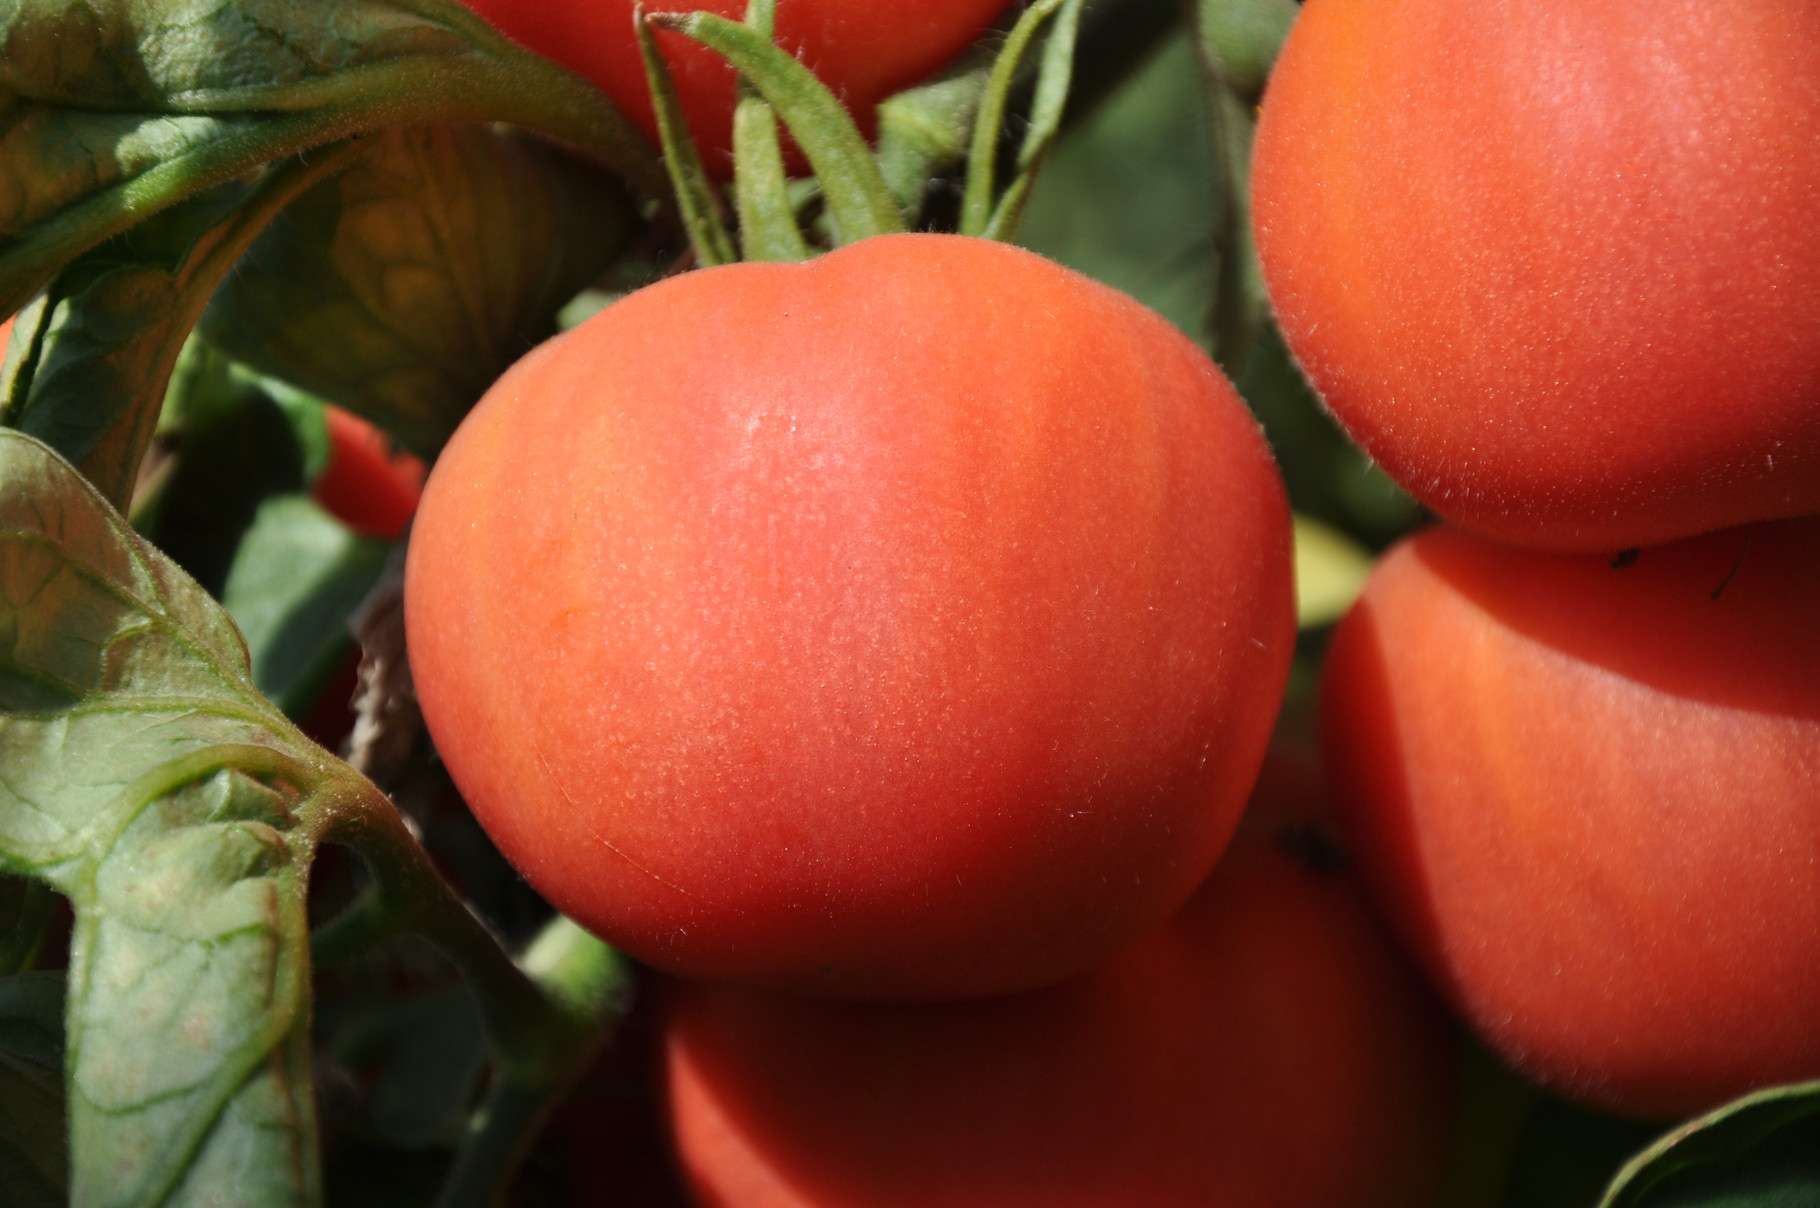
(904, 623)
(1267, 1046)
(862, 50)
(1589, 794)
(1555, 265)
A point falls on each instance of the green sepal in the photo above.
(858, 200)
(768, 227)
(983, 212)
(696, 197)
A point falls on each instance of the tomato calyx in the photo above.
(854, 186)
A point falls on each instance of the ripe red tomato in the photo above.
(864, 51)
(1589, 794)
(908, 622)
(368, 485)
(1555, 266)
(1267, 1046)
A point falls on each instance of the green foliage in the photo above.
(1760, 1152)
(179, 838)
(404, 285)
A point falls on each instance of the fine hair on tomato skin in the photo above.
(1268, 1045)
(1553, 266)
(905, 623)
(1587, 791)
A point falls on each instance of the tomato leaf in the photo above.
(1762, 1151)
(296, 578)
(1241, 38)
(232, 446)
(148, 781)
(117, 109)
(34, 1158)
(401, 288)
(107, 336)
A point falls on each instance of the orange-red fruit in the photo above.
(1588, 792)
(1267, 1047)
(369, 485)
(861, 49)
(1555, 265)
(908, 622)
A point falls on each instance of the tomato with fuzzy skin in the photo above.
(863, 51)
(904, 623)
(1269, 1045)
(1555, 266)
(368, 484)
(1589, 793)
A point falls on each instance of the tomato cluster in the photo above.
(908, 626)
(1554, 267)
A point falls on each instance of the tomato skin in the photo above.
(1268, 1045)
(908, 622)
(1590, 798)
(1554, 265)
(863, 51)
(368, 484)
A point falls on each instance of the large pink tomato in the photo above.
(1589, 793)
(907, 622)
(861, 49)
(1267, 1046)
(1556, 265)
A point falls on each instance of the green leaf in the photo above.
(105, 344)
(147, 780)
(401, 288)
(117, 109)
(31, 1018)
(297, 576)
(34, 1159)
(858, 199)
(1762, 1151)
(422, 1054)
(1240, 40)
(232, 447)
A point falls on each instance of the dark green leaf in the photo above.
(423, 1055)
(34, 1159)
(297, 576)
(31, 1018)
(1240, 40)
(1762, 1151)
(232, 446)
(25, 909)
(404, 286)
(148, 781)
(116, 109)
(105, 344)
